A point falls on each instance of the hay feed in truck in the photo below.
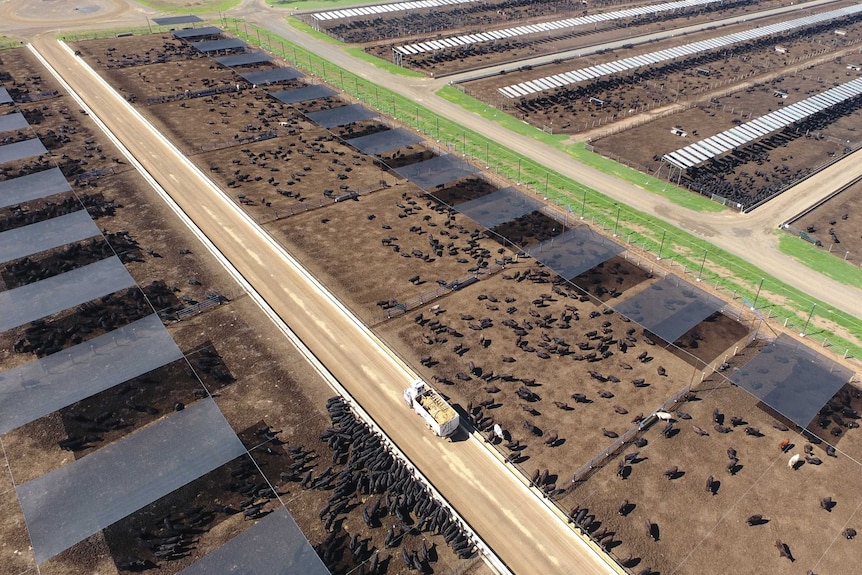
(436, 411)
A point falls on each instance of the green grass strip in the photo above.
(77, 35)
(7, 43)
(361, 54)
(306, 29)
(675, 194)
(480, 108)
(820, 260)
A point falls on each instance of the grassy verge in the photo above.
(819, 260)
(112, 32)
(675, 194)
(192, 7)
(6, 43)
(361, 54)
(511, 123)
(578, 151)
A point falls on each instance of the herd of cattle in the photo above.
(363, 467)
(618, 94)
(471, 55)
(714, 177)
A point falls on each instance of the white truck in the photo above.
(437, 413)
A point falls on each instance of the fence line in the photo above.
(213, 299)
(399, 309)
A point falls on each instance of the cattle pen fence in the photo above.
(213, 299)
(587, 469)
(395, 309)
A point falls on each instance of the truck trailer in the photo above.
(436, 411)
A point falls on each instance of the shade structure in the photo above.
(670, 307)
(385, 141)
(198, 32)
(21, 150)
(575, 251)
(271, 76)
(24, 241)
(5, 98)
(792, 378)
(342, 115)
(499, 207)
(71, 503)
(437, 171)
(176, 20)
(54, 294)
(219, 45)
(42, 386)
(244, 59)
(546, 28)
(275, 546)
(364, 12)
(32, 187)
(15, 121)
(303, 94)
(714, 146)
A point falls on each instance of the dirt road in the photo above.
(515, 524)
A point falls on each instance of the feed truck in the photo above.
(436, 411)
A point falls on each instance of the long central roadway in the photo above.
(511, 520)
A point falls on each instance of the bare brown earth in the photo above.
(327, 239)
(630, 119)
(487, 54)
(441, 22)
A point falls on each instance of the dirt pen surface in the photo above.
(636, 119)
(563, 374)
(835, 224)
(480, 55)
(269, 394)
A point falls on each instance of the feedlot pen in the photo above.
(503, 348)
